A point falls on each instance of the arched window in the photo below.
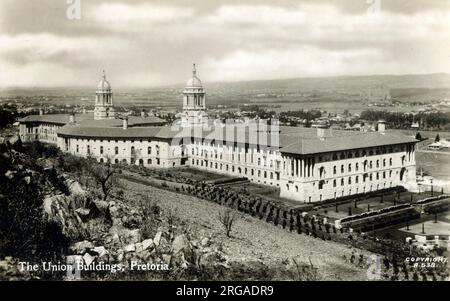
(149, 150)
(116, 150)
(149, 161)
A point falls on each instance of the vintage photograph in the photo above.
(206, 140)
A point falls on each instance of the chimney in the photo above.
(125, 123)
(381, 126)
(143, 114)
(41, 112)
(72, 118)
(321, 131)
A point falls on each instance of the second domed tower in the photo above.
(104, 108)
(194, 102)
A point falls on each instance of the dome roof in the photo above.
(194, 81)
(104, 84)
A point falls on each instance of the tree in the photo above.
(103, 175)
(227, 219)
(418, 136)
(437, 139)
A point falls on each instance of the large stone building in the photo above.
(308, 165)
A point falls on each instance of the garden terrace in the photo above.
(435, 206)
(226, 181)
(384, 193)
(364, 204)
(372, 213)
(432, 199)
(382, 219)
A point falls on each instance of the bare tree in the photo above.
(227, 219)
(103, 175)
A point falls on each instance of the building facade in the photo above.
(307, 165)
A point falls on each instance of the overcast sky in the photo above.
(151, 43)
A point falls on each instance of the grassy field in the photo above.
(252, 238)
(434, 164)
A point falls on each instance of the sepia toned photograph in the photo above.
(207, 141)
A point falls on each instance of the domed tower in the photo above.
(194, 106)
(103, 100)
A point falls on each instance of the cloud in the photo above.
(124, 17)
(150, 43)
(288, 63)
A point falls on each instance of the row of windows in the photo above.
(356, 179)
(365, 165)
(196, 151)
(109, 140)
(219, 156)
(132, 161)
(371, 187)
(361, 153)
(265, 174)
(116, 150)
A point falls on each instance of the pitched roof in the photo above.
(89, 121)
(335, 143)
(293, 140)
(54, 118)
(116, 132)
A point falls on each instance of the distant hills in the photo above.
(312, 92)
(430, 81)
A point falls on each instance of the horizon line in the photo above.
(230, 81)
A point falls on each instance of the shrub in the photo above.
(227, 219)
